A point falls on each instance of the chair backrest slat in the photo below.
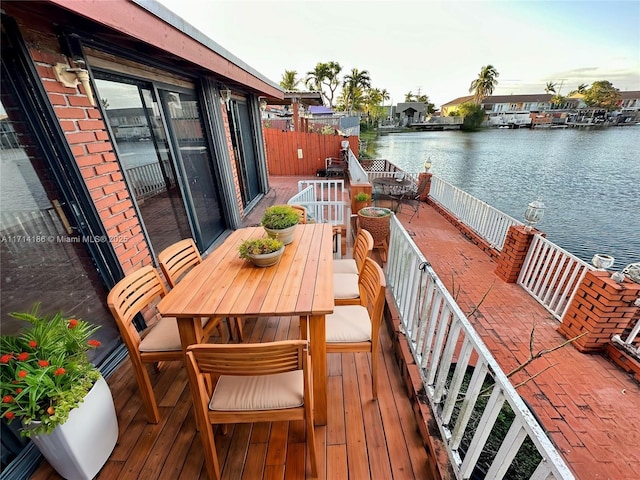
(372, 286)
(362, 248)
(250, 359)
(177, 259)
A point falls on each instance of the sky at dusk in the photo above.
(435, 47)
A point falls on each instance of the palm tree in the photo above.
(485, 84)
(289, 81)
(581, 89)
(331, 80)
(353, 86)
(324, 74)
(385, 95)
(313, 80)
(550, 88)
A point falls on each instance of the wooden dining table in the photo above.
(225, 285)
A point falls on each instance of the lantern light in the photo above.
(534, 213)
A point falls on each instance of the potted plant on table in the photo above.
(263, 252)
(279, 221)
(48, 383)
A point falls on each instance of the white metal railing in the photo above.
(148, 180)
(551, 275)
(411, 176)
(466, 388)
(323, 199)
(487, 221)
(357, 175)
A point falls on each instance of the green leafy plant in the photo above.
(45, 372)
(259, 246)
(362, 197)
(278, 217)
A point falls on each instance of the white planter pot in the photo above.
(285, 235)
(79, 448)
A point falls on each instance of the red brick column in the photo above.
(600, 307)
(425, 194)
(513, 253)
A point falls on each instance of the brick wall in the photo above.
(600, 309)
(88, 139)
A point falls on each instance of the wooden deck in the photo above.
(362, 439)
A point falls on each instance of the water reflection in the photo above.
(588, 179)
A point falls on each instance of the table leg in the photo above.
(190, 331)
(318, 347)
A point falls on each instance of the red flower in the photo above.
(73, 323)
(6, 357)
(43, 363)
(94, 343)
(18, 390)
(23, 356)
(33, 343)
(9, 415)
(59, 371)
(22, 373)
(7, 399)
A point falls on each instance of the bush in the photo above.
(259, 246)
(278, 217)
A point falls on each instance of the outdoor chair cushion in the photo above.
(345, 265)
(163, 336)
(345, 285)
(264, 392)
(348, 323)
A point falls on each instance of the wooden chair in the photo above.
(345, 271)
(246, 383)
(302, 212)
(356, 328)
(161, 342)
(176, 261)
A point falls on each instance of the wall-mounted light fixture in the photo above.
(70, 77)
(263, 104)
(533, 214)
(225, 95)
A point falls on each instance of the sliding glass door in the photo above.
(165, 159)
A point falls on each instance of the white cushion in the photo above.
(345, 285)
(260, 392)
(163, 336)
(345, 265)
(348, 323)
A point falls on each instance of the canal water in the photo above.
(589, 180)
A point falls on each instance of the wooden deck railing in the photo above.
(488, 222)
(551, 275)
(467, 391)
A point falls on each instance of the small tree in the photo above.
(602, 94)
(473, 115)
